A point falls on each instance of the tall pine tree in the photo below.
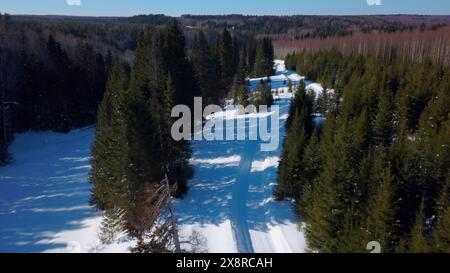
(441, 236)
(110, 146)
(227, 60)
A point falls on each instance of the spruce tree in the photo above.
(236, 53)
(166, 119)
(241, 72)
(175, 154)
(320, 214)
(268, 56)
(263, 66)
(109, 148)
(299, 100)
(264, 96)
(418, 242)
(435, 114)
(311, 167)
(340, 175)
(292, 181)
(85, 71)
(172, 51)
(227, 59)
(380, 211)
(58, 116)
(258, 68)
(181, 83)
(240, 85)
(143, 166)
(108, 62)
(290, 165)
(100, 79)
(206, 70)
(441, 235)
(251, 54)
(383, 124)
(112, 226)
(351, 238)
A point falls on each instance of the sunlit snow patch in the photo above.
(316, 88)
(230, 161)
(269, 162)
(231, 114)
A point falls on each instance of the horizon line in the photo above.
(226, 14)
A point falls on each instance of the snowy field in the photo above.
(44, 194)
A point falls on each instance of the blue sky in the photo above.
(259, 7)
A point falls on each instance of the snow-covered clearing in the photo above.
(44, 194)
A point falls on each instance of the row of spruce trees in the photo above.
(378, 168)
(133, 147)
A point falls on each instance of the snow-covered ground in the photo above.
(44, 195)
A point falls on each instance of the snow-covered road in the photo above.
(230, 200)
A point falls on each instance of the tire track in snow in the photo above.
(261, 240)
(239, 207)
(251, 223)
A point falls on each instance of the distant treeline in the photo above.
(378, 169)
(418, 45)
(299, 26)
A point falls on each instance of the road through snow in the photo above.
(233, 204)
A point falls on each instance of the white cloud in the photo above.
(73, 2)
(374, 2)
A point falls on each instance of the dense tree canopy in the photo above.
(381, 164)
